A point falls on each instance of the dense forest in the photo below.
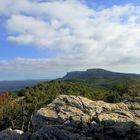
(16, 109)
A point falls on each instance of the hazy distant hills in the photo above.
(17, 85)
(101, 76)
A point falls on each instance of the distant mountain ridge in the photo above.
(101, 76)
(17, 85)
(97, 73)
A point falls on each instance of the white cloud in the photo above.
(25, 68)
(38, 32)
(85, 37)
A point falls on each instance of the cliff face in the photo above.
(78, 118)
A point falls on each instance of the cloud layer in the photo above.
(84, 37)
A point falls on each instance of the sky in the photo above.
(45, 39)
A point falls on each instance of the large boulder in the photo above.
(87, 117)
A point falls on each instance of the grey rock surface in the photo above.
(94, 119)
(10, 134)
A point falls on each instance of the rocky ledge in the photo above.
(78, 118)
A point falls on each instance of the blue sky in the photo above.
(109, 3)
(49, 38)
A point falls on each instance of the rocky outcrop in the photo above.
(78, 118)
